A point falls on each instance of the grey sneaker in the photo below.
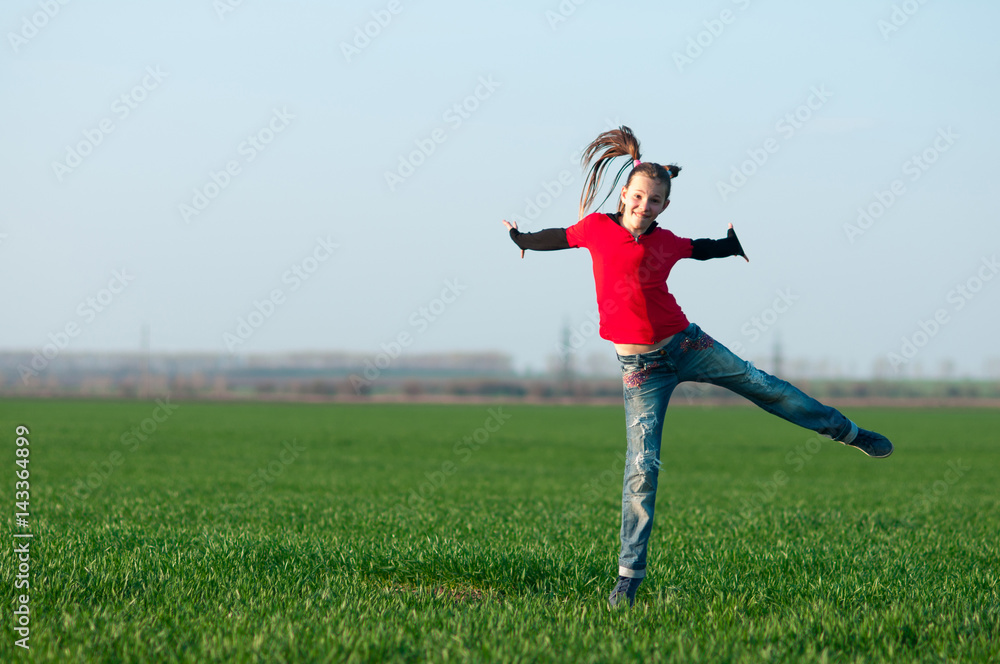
(871, 443)
(624, 589)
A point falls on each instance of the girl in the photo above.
(657, 346)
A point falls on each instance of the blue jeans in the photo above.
(649, 380)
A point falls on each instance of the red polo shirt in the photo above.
(630, 274)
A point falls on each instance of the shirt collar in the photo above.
(617, 218)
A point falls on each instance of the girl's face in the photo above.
(644, 199)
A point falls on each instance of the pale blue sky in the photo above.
(340, 123)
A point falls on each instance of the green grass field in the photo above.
(331, 533)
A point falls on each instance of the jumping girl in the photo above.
(657, 346)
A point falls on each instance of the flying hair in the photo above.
(619, 142)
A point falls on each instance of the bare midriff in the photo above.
(636, 349)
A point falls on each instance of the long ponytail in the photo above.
(619, 142)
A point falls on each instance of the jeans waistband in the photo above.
(652, 355)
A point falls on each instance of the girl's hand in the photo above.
(513, 224)
(733, 233)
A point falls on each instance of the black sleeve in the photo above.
(704, 249)
(548, 240)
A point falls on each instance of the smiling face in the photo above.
(643, 199)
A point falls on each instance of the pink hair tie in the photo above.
(635, 163)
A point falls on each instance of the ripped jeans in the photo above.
(650, 378)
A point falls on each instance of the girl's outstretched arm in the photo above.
(549, 239)
(704, 249)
